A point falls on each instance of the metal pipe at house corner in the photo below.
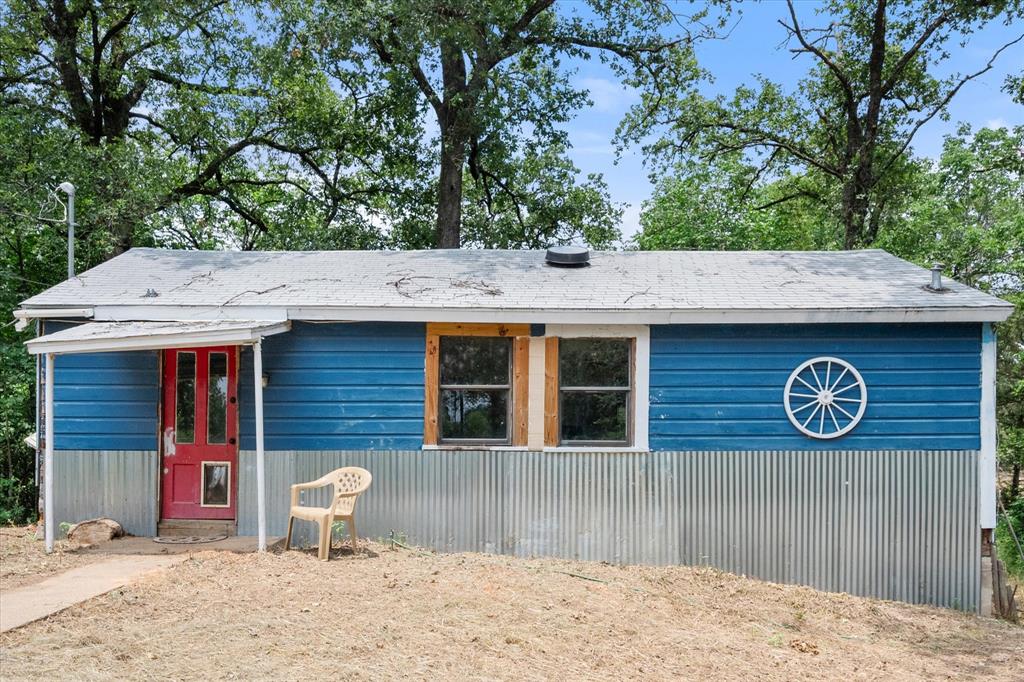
(69, 189)
(48, 458)
(261, 484)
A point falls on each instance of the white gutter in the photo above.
(995, 313)
(24, 316)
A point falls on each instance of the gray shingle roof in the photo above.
(683, 281)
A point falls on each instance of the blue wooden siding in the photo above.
(105, 401)
(338, 386)
(721, 387)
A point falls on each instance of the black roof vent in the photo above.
(567, 256)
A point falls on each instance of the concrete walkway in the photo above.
(32, 602)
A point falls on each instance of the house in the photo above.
(824, 418)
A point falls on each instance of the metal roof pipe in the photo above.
(937, 277)
(69, 189)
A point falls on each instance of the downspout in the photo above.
(987, 461)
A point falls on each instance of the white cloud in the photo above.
(591, 143)
(630, 221)
(608, 95)
(996, 123)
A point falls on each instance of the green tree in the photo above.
(229, 130)
(722, 206)
(844, 131)
(488, 74)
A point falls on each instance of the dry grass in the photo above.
(24, 561)
(398, 614)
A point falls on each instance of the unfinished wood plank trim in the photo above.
(432, 388)
(551, 438)
(520, 390)
(475, 329)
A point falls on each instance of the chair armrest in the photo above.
(318, 483)
(297, 488)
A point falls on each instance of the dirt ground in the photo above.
(24, 561)
(391, 614)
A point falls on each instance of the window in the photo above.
(476, 388)
(185, 407)
(595, 378)
(477, 378)
(217, 399)
(216, 484)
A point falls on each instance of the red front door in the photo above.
(200, 433)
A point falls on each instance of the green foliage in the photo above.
(1006, 546)
(17, 501)
(487, 76)
(1010, 401)
(720, 207)
(846, 128)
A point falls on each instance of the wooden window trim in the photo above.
(551, 435)
(520, 334)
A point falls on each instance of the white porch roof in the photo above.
(104, 337)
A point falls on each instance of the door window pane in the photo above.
(217, 399)
(185, 399)
(475, 415)
(595, 382)
(216, 477)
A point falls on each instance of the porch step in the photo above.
(203, 527)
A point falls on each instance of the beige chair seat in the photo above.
(310, 513)
(349, 483)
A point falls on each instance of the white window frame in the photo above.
(202, 489)
(641, 381)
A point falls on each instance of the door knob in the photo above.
(231, 440)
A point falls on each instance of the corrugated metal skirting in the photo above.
(119, 484)
(896, 525)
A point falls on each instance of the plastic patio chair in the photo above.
(349, 483)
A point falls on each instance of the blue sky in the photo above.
(756, 46)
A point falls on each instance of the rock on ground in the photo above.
(94, 531)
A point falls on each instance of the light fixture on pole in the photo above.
(69, 189)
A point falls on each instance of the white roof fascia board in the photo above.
(185, 313)
(652, 316)
(553, 316)
(183, 339)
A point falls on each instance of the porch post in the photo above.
(261, 483)
(48, 457)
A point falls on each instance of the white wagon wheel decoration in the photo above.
(825, 397)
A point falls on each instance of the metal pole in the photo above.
(48, 461)
(69, 189)
(71, 233)
(261, 483)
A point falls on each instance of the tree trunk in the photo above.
(449, 189)
(857, 205)
(1015, 483)
(453, 120)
